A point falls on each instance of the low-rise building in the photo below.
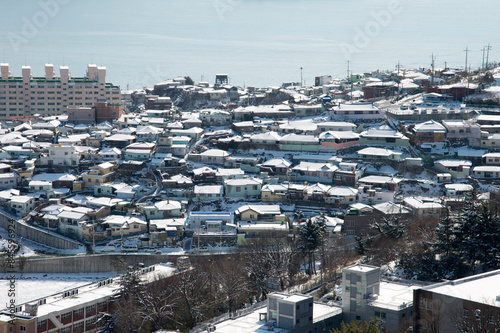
(457, 168)
(383, 136)
(244, 187)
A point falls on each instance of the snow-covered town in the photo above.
(189, 170)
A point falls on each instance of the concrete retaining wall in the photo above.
(37, 235)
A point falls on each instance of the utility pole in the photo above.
(466, 58)
(399, 81)
(301, 77)
(488, 48)
(466, 72)
(482, 66)
(348, 62)
(432, 74)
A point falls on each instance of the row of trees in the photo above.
(461, 245)
(220, 284)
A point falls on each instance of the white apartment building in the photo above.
(26, 95)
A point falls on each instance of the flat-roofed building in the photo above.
(470, 304)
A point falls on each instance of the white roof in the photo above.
(419, 203)
(298, 137)
(481, 288)
(356, 107)
(391, 208)
(372, 151)
(453, 163)
(382, 133)
(215, 152)
(459, 187)
(303, 125)
(277, 162)
(486, 168)
(268, 136)
(309, 166)
(229, 172)
(208, 189)
(430, 126)
(243, 182)
(261, 209)
(339, 135)
(343, 191)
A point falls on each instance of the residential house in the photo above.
(208, 192)
(274, 193)
(370, 194)
(211, 156)
(372, 153)
(333, 140)
(223, 174)
(266, 138)
(383, 182)
(341, 195)
(314, 172)
(215, 117)
(383, 136)
(357, 111)
(204, 174)
(276, 167)
(306, 110)
(315, 192)
(9, 180)
(490, 140)
(468, 131)
(194, 133)
(139, 151)
(161, 209)
(259, 213)
(245, 187)
(100, 174)
(22, 205)
(457, 191)
(147, 133)
(347, 174)
(38, 186)
(70, 222)
(336, 126)
(118, 140)
(491, 159)
(425, 207)
(59, 155)
(110, 154)
(297, 142)
(429, 131)
(486, 172)
(179, 181)
(457, 168)
(306, 127)
(197, 220)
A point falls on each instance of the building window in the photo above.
(66, 315)
(465, 313)
(78, 312)
(41, 324)
(22, 328)
(78, 325)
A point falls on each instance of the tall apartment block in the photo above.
(25, 96)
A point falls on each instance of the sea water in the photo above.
(255, 42)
